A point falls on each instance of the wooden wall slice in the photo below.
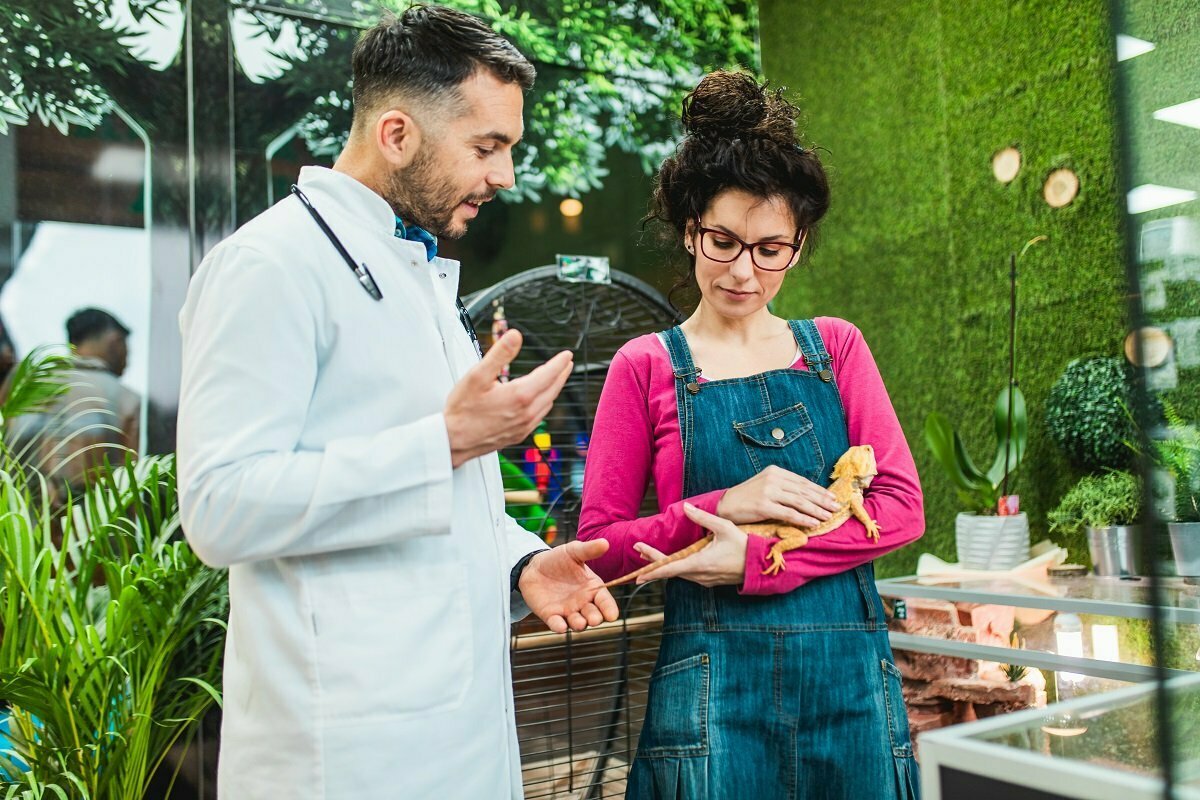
(1061, 187)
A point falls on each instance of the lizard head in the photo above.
(858, 463)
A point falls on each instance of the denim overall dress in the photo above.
(785, 696)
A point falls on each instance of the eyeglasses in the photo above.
(769, 256)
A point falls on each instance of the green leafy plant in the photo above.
(611, 74)
(1098, 501)
(1015, 672)
(1086, 413)
(1179, 455)
(112, 629)
(979, 491)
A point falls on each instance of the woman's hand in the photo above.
(777, 494)
(722, 563)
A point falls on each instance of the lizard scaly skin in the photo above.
(852, 474)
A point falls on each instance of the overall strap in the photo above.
(812, 347)
(681, 358)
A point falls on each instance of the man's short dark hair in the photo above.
(89, 323)
(427, 52)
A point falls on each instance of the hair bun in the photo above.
(732, 105)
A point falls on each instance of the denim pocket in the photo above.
(897, 715)
(784, 438)
(677, 710)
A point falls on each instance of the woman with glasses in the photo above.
(766, 686)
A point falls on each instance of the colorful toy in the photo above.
(541, 465)
(577, 466)
(523, 502)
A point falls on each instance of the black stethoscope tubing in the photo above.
(363, 274)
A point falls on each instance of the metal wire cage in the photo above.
(580, 697)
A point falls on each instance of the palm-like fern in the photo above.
(111, 628)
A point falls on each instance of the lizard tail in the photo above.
(695, 547)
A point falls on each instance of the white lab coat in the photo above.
(367, 654)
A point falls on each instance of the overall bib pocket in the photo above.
(784, 438)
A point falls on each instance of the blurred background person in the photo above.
(95, 419)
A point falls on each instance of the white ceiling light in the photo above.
(1130, 46)
(1149, 196)
(1183, 114)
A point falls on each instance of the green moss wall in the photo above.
(912, 98)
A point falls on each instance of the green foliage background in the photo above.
(911, 100)
(612, 72)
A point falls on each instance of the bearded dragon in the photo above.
(852, 474)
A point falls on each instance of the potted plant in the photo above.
(111, 630)
(1179, 456)
(993, 533)
(986, 539)
(1105, 507)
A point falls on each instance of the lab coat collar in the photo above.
(355, 199)
(358, 202)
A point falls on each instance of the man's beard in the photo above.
(421, 196)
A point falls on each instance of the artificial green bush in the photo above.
(1087, 413)
(1098, 501)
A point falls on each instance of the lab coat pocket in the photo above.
(392, 642)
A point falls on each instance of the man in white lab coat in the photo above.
(337, 438)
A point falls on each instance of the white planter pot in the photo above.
(991, 542)
(1185, 544)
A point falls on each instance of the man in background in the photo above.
(96, 420)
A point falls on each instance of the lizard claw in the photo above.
(777, 563)
(873, 530)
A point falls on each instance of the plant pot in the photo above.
(991, 542)
(1185, 545)
(1115, 551)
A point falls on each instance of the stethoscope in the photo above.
(363, 274)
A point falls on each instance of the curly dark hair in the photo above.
(739, 134)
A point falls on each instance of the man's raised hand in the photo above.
(483, 414)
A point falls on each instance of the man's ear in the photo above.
(397, 137)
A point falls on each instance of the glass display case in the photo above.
(1081, 626)
(1102, 747)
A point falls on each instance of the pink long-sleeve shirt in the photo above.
(635, 439)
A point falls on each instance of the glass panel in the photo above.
(599, 118)
(93, 165)
(1116, 733)
(291, 109)
(79, 270)
(1158, 55)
